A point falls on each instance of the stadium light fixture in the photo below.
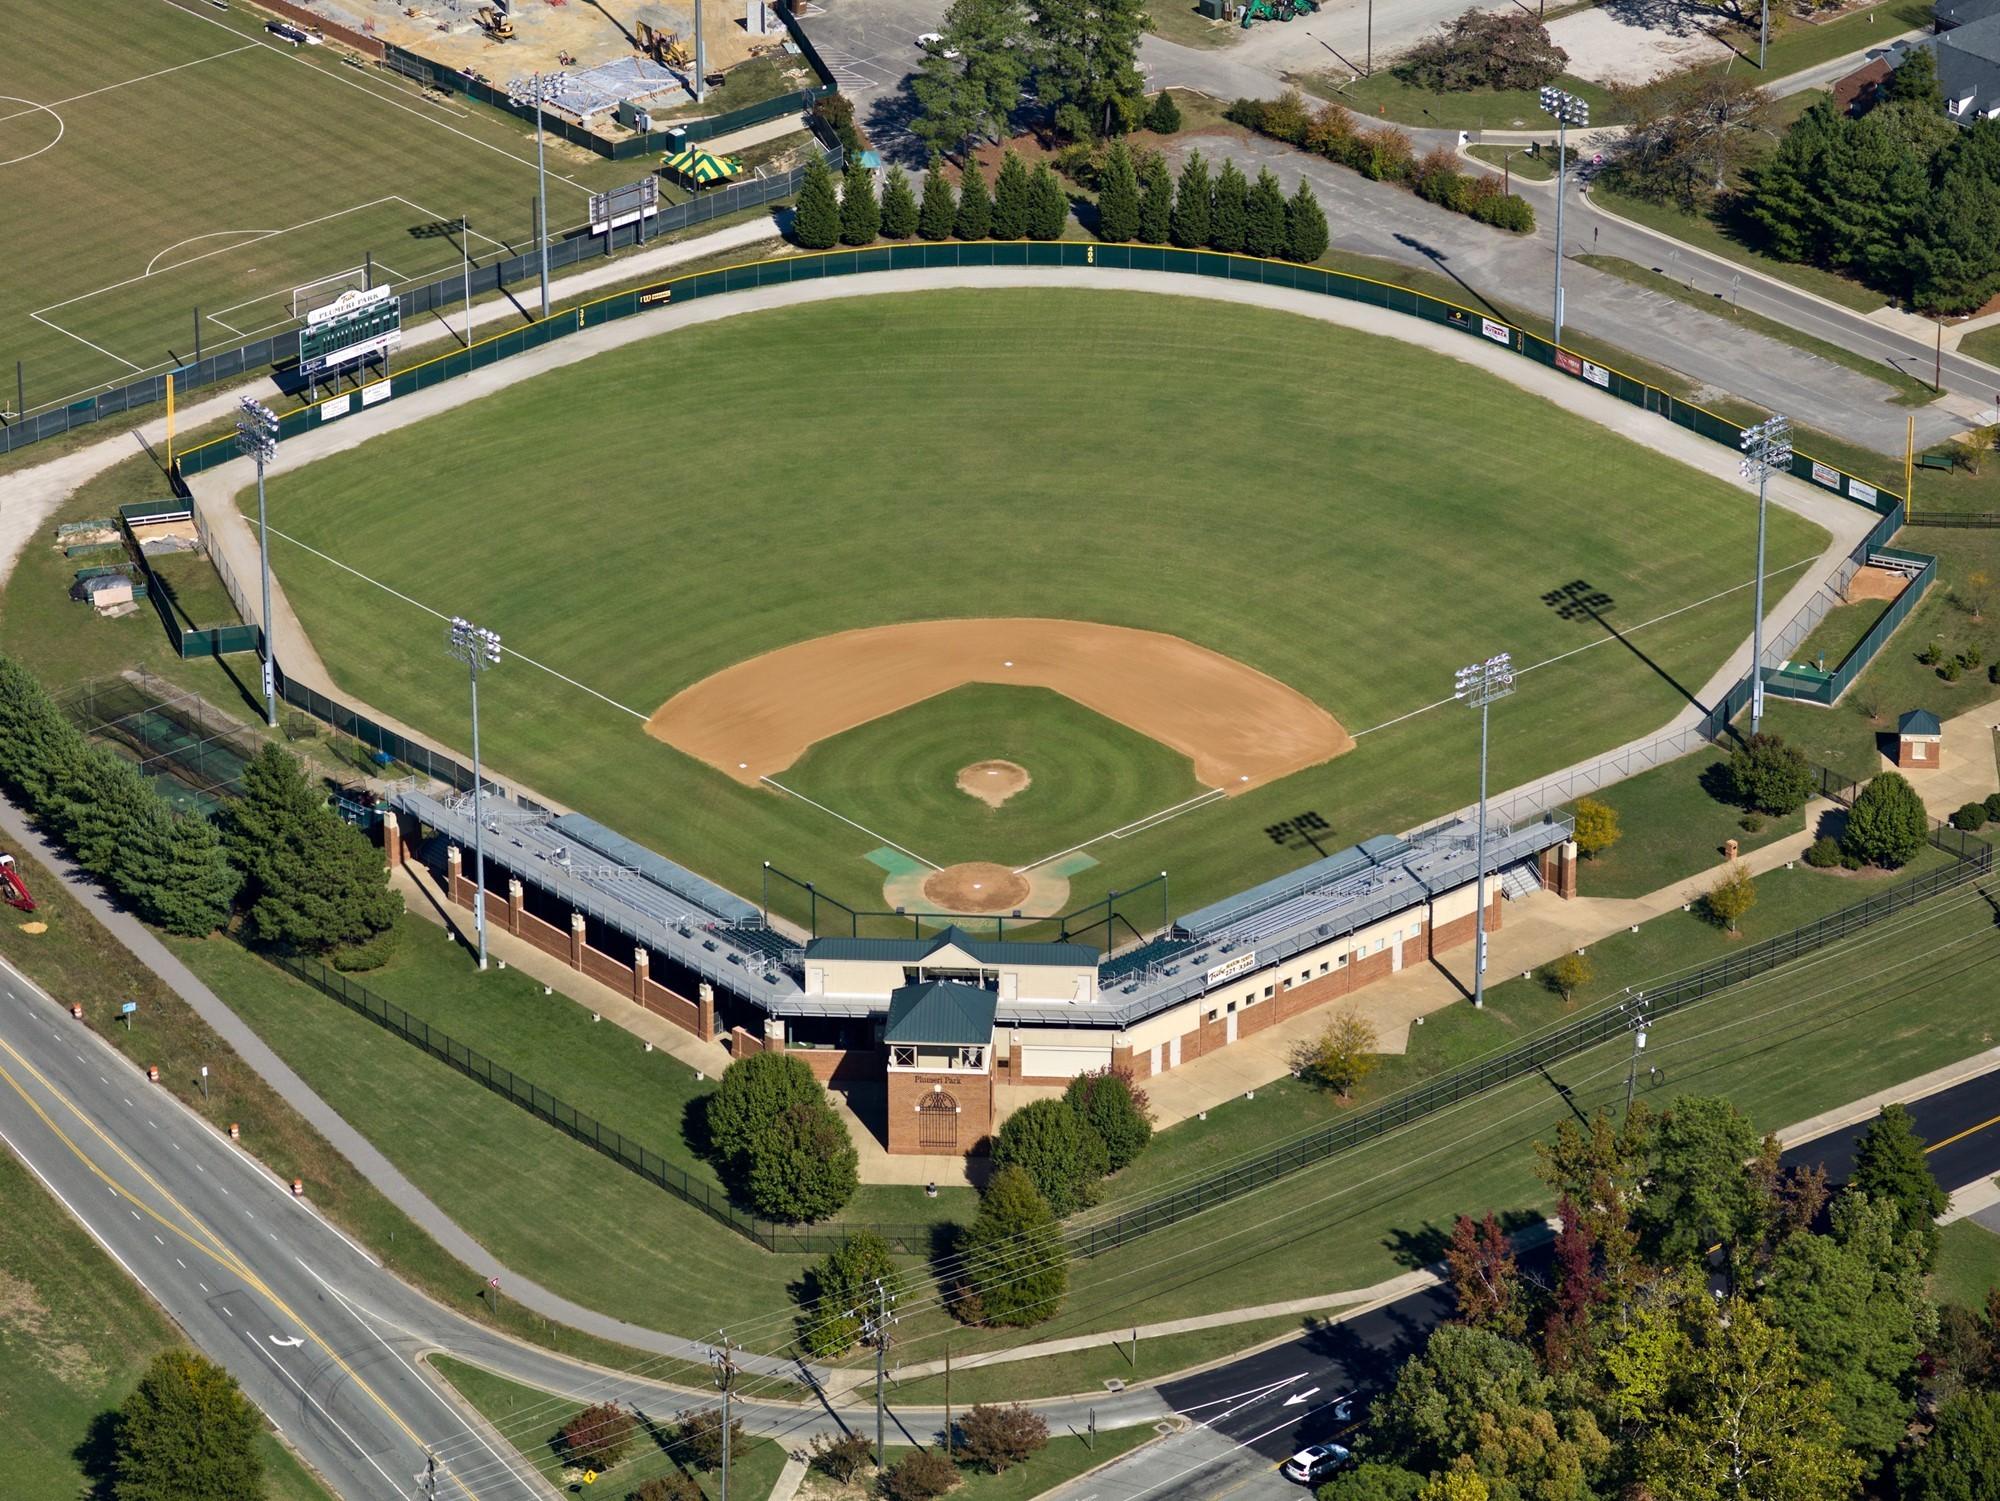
(1568, 110)
(1767, 446)
(540, 89)
(478, 648)
(257, 440)
(1482, 685)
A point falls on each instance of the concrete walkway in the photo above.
(1967, 772)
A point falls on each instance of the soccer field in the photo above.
(1342, 513)
(159, 157)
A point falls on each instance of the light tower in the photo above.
(257, 437)
(1482, 685)
(478, 648)
(1569, 110)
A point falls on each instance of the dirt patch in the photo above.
(976, 886)
(993, 782)
(36, 928)
(1240, 727)
(1876, 583)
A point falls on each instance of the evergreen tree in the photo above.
(1164, 118)
(39, 747)
(1787, 204)
(1915, 81)
(1058, 1149)
(187, 1433)
(1015, 1264)
(1088, 69)
(1117, 197)
(1962, 1455)
(1956, 253)
(1887, 824)
(1305, 226)
(103, 802)
(860, 214)
(899, 205)
(1699, 1192)
(1891, 1166)
(1048, 205)
(1010, 199)
(940, 208)
(315, 883)
(1229, 212)
(816, 220)
(943, 113)
(969, 82)
(1156, 201)
(975, 207)
(174, 871)
(1264, 227)
(1191, 203)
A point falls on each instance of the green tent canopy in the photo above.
(702, 167)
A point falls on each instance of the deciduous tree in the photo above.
(996, 1438)
(1770, 775)
(1890, 1165)
(804, 1165)
(1698, 1191)
(1596, 827)
(1691, 132)
(1961, 1456)
(841, 1285)
(920, 1475)
(1600, 1168)
(699, 1430)
(1341, 1056)
(1119, 1113)
(1887, 824)
(1480, 1263)
(599, 1436)
(1569, 974)
(187, 1433)
(1058, 1149)
(1485, 50)
(1015, 1268)
(1733, 894)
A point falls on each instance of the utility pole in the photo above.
(1767, 445)
(947, 1396)
(1638, 1025)
(1480, 685)
(1569, 110)
(875, 1324)
(723, 1358)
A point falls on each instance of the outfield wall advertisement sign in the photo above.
(1229, 969)
(1499, 333)
(356, 326)
(1576, 365)
(1825, 474)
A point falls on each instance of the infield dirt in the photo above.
(1239, 727)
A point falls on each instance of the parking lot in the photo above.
(871, 47)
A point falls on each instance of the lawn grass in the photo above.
(75, 1336)
(1717, 232)
(1070, 1453)
(1098, 517)
(531, 1420)
(1672, 824)
(899, 774)
(1968, 1265)
(1795, 45)
(1515, 159)
(1386, 95)
(1909, 390)
(745, 84)
(1982, 344)
(1841, 630)
(123, 259)
(1181, 21)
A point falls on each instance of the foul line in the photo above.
(1199, 800)
(440, 615)
(851, 823)
(1604, 641)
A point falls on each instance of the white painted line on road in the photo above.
(200, 1169)
(128, 1103)
(394, 1489)
(153, 1124)
(157, 1238)
(223, 1189)
(226, 1312)
(176, 1146)
(133, 1212)
(79, 1057)
(251, 1212)
(89, 1229)
(181, 1264)
(201, 1284)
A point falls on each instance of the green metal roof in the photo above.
(916, 950)
(941, 1012)
(1919, 722)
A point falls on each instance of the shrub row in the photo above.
(1385, 155)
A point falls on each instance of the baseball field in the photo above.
(884, 547)
(168, 162)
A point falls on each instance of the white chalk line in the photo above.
(142, 78)
(851, 823)
(1138, 825)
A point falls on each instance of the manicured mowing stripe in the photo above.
(1178, 479)
(75, 1336)
(899, 774)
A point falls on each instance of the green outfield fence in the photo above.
(804, 1240)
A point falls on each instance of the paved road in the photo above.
(1252, 1412)
(329, 1343)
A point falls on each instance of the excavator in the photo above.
(13, 890)
(496, 23)
(665, 47)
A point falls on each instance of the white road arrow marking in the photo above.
(1302, 1396)
(294, 1342)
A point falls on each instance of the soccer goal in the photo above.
(328, 289)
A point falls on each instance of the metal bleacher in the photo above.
(1138, 961)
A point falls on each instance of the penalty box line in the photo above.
(773, 781)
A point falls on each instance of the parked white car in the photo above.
(932, 41)
(1313, 1464)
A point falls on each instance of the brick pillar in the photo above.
(705, 1025)
(774, 1034)
(1566, 882)
(516, 901)
(642, 963)
(576, 940)
(392, 841)
(454, 875)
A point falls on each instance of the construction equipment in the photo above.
(497, 24)
(665, 47)
(13, 890)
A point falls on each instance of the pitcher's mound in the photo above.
(993, 782)
(976, 886)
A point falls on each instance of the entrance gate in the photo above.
(937, 1123)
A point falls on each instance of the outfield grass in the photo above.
(899, 774)
(75, 1335)
(197, 168)
(1307, 560)
(531, 1419)
(1968, 1266)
